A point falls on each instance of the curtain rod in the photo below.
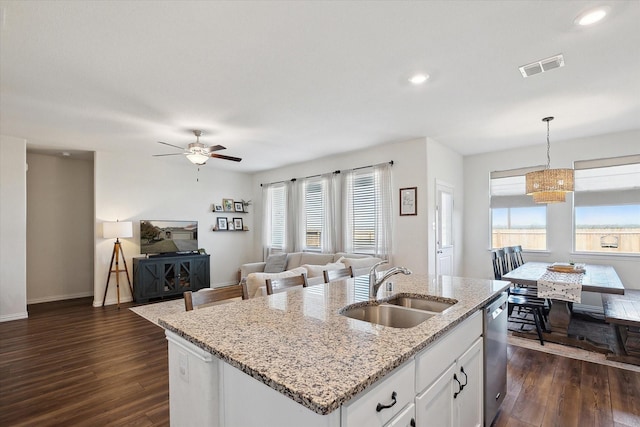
(313, 176)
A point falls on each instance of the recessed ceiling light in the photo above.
(592, 16)
(418, 79)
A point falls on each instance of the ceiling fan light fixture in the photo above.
(197, 158)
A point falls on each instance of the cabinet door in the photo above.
(435, 407)
(469, 403)
(147, 281)
(200, 273)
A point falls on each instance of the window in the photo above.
(607, 205)
(368, 211)
(515, 218)
(278, 218)
(314, 214)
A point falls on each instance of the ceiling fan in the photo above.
(198, 153)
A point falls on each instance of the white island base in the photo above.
(206, 391)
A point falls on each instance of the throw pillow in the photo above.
(276, 263)
(316, 270)
(255, 281)
(357, 263)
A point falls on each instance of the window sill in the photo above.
(621, 256)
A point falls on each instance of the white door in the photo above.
(444, 229)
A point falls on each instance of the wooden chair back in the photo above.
(517, 255)
(508, 259)
(210, 295)
(281, 285)
(342, 273)
(499, 264)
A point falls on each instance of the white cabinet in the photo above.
(452, 395)
(380, 403)
(441, 386)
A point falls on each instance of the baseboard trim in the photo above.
(59, 297)
(14, 316)
(112, 301)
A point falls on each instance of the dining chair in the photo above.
(281, 285)
(342, 273)
(527, 305)
(498, 260)
(208, 296)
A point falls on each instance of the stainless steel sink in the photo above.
(387, 315)
(421, 303)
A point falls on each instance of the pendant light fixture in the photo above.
(549, 185)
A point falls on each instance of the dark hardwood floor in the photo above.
(70, 364)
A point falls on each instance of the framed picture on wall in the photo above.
(409, 201)
(217, 208)
(227, 204)
(239, 206)
(237, 223)
(222, 223)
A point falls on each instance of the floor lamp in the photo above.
(110, 230)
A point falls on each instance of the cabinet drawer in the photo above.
(432, 361)
(362, 411)
(406, 418)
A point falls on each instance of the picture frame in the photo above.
(218, 208)
(238, 224)
(221, 223)
(227, 205)
(409, 201)
(239, 207)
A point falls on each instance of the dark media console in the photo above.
(169, 275)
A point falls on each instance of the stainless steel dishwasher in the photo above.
(495, 356)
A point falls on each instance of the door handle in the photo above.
(466, 379)
(455, 395)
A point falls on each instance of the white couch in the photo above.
(310, 263)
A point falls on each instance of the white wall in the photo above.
(60, 228)
(477, 262)
(13, 228)
(411, 233)
(131, 188)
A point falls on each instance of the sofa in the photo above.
(313, 264)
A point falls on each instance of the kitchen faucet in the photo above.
(375, 283)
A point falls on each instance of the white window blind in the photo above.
(314, 213)
(278, 218)
(364, 212)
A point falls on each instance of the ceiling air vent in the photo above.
(542, 65)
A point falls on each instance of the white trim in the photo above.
(603, 163)
(59, 297)
(14, 316)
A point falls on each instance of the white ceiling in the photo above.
(284, 82)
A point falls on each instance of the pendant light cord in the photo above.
(548, 119)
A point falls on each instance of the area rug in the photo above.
(152, 312)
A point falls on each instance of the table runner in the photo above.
(561, 286)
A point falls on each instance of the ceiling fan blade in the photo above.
(171, 145)
(220, 156)
(216, 148)
(172, 154)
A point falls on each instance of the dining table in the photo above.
(602, 279)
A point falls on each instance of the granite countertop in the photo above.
(297, 343)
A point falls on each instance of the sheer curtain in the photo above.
(384, 208)
(347, 210)
(330, 214)
(296, 216)
(266, 220)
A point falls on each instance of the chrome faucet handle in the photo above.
(375, 266)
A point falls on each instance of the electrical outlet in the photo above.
(183, 366)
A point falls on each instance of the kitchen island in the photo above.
(293, 358)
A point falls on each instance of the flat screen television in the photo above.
(163, 237)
